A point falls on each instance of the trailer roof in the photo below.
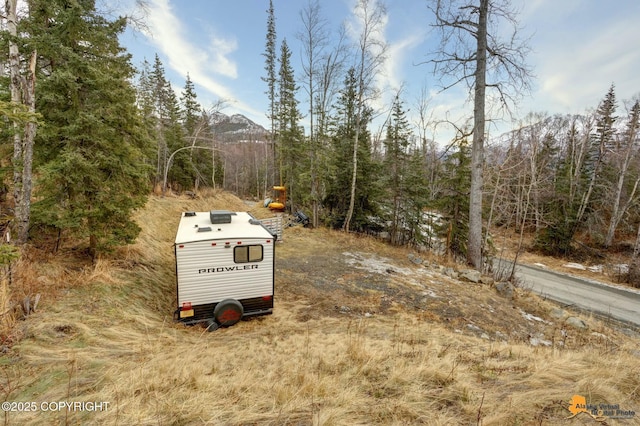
(197, 226)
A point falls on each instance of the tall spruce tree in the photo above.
(169, 131)
(290, 137)
(195, 130)
(561, 209)
(146, 105)
(341, 164)
(90, 153)
(417, 197)
(600, 145)
(191, 111)
(395, 165)
(270, 59)
(160, 98)
(453, 199)
(370, 58)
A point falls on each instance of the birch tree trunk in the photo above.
(354, 175)
(22, 89)
(619, 211)
(371, 57)
(314, 38)
(634, 267)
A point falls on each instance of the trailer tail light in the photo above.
(268, 241)
(267, 298)
(186, 310)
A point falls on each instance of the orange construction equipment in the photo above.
(280, 198)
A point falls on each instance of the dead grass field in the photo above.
(360, 335)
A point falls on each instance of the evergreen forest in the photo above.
(88, 136)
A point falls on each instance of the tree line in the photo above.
(88, 137)
(566, 180)
(563, 176)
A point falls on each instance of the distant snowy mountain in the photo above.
(237, 128)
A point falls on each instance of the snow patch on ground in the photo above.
(620, 268)
(381, 265)
(373, 263)
(539, 340)
(416, 276)
(531, 317)
(575, 266)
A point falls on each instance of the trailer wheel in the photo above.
(228, 312)
(212, 325)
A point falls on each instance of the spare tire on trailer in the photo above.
(228, 312)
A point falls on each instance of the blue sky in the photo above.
(580, 47)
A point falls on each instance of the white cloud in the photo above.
(167, 33)
(584, 78)
(221, 64)
(396, 59)
(355, 25)
(580, 52)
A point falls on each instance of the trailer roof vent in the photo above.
(204, 229)
(189, 214)
(220, 216)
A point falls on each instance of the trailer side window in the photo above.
(246, 254)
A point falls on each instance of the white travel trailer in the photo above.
(225, 263)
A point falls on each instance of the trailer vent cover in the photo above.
(220, 216)
(204, 229)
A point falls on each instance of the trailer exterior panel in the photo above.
(208, 273)
(222, 257)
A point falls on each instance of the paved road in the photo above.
(602, 299)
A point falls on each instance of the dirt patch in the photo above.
(334, 277)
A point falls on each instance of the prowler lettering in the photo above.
(226, 269)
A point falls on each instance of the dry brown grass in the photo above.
(7, 313)
(109, 336)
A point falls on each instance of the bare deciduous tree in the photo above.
(315, 39)
(472, 52)
(370, 57)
